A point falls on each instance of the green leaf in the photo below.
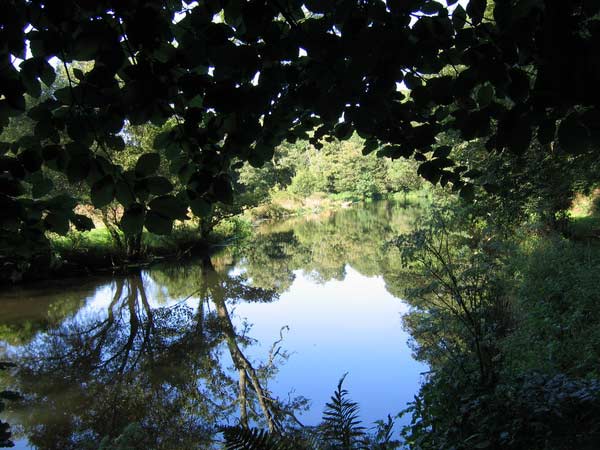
(431, 7)
(573, 136)
(31, 159)
(82, 223)
(78, 130)
(158, 224)
(343, 130)
(64, 95)
(222, 189)
(78, 168)
(147, 164)
(170, 207)
(133, 219)
(47, 74)
(162, 140)
(546, 131)
(261, 154)
(485, 95)
(62, 202)
(467, 193)
(78, 73)
(115, 142)
(442, 152)
(319, 6)
(103, 191)
(32, 86)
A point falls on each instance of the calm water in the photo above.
(260, 333)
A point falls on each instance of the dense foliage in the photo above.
(507, 325)
(150, 110)
(233, 79)
(339, 167)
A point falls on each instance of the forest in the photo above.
(224, 151)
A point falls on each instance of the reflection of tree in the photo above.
(162, 367)
(25, 312)
(159, 367)
(92, 377)
(323, 245)
(222, 289)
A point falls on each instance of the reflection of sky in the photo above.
(350, 326)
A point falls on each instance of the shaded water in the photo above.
(259, 333)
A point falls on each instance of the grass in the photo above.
(585, 216)
(96, 250)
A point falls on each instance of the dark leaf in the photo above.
(573, 136)
(103, 191)
(58, 223)
(158, 224)
(158, 185)
(476, 9)
(82, 223)
(133, 219)
(147, 164)
(169, 206)
(41, 186)
(200, 207)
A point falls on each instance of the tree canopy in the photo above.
(228, 80)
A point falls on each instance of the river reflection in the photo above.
(257, 335)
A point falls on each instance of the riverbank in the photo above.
(98, 252)
(284, 204)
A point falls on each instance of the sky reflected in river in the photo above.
(194, 342)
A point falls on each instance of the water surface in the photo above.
(259, 333)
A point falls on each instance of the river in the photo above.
(261, 332)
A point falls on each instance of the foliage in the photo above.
(459, 279)
(5, 433)
(339, 167)
(533, 411)
(132, 438)
(231, 80)
(340, 429)
(341, 424)
(509, 331)
(239, 438)
(557, 321)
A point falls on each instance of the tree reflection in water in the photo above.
(159, 367)
(179, 371)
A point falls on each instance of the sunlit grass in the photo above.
(585, 216)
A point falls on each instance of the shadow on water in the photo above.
(160, 357)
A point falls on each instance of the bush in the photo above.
(269, 211)
(533, 412)
(556, 300)
(306, 182)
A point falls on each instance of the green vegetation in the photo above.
(506, 319)
(192, 92)
(339, 172)
(302, 179)
(340, 428)
(164, 118)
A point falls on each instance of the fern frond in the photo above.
(242, 438)
(341, 423)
